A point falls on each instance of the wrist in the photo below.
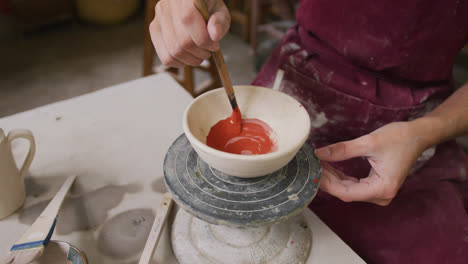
(427, 131)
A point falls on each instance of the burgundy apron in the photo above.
(359, 66)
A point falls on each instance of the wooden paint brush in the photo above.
(32, 243)
(219, 60)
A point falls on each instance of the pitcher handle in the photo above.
(23, 133)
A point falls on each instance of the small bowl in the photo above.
(286, 116)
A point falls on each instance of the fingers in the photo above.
(180, 34)
(184, 39)
(345, 150)
(339, 174)
(219, 22)
(196, 27)
(160, 46)
(345, 189)
(348, 189)
(173, 44)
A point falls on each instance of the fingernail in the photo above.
(324, 152)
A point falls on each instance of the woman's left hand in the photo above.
(391, 151)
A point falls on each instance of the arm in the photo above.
(448, 121)
(391, 151)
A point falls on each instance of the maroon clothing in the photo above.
(357, 66)
(407, 39)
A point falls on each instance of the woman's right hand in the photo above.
(180, 34)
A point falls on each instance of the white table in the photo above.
(115, 139)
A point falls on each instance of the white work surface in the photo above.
(115, 139)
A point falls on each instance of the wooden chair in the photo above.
(186, 78)
(240, 14)
(249, 14)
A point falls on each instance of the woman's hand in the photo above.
(391, 151)
(180, 34)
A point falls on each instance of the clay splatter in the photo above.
(320, 120)
(423, 159)
(290, 47)
(125, 234)
(293, 197)
(35, 187)
(84, 212)
(48, 185)
(462, 173)
(329, 76)
(465, 238)
(427, 154)
(159, 186)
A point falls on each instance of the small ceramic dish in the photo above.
(61, 252)
(285, 115)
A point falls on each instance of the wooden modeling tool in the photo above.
(32, 243)
(218, 58)
(158, 225)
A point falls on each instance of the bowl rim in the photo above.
(226, 155)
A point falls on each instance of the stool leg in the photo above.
(148, 49)
(246, 27)
(253, 24)
(188, 79)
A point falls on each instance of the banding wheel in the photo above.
(252, 217)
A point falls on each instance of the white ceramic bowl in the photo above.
(286, 116)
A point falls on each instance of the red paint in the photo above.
(292, 242)
(246, 137)
(316, 181)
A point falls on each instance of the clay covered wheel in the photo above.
(197, 242)
(222, 199)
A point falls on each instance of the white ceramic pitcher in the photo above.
(12, 193)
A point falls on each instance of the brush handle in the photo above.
(224, 75)
(218, 58)
(41, 230)
(155, 233)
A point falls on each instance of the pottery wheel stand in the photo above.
(238, 220)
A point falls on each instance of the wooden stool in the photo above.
(248, 13)
(240, 14)
(186, 79)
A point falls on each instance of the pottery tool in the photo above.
(32, 243)
(219, 59)
(158, 225)
(278, 80)
(218, 198)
